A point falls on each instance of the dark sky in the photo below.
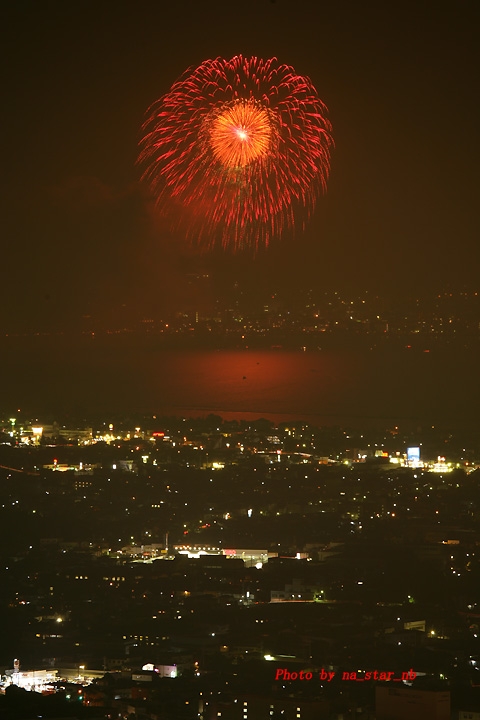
(401, 84)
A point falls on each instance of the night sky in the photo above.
(78, 237)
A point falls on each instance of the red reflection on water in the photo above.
(247, 383)
(333, 387)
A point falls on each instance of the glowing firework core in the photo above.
(240, 133)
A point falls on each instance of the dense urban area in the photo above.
(172, 568)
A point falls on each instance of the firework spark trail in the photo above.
(241, 146)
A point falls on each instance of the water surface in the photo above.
(42, 375)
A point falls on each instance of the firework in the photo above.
(237, 151)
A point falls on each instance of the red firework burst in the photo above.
(238, 149)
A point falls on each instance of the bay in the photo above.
(333, 387)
